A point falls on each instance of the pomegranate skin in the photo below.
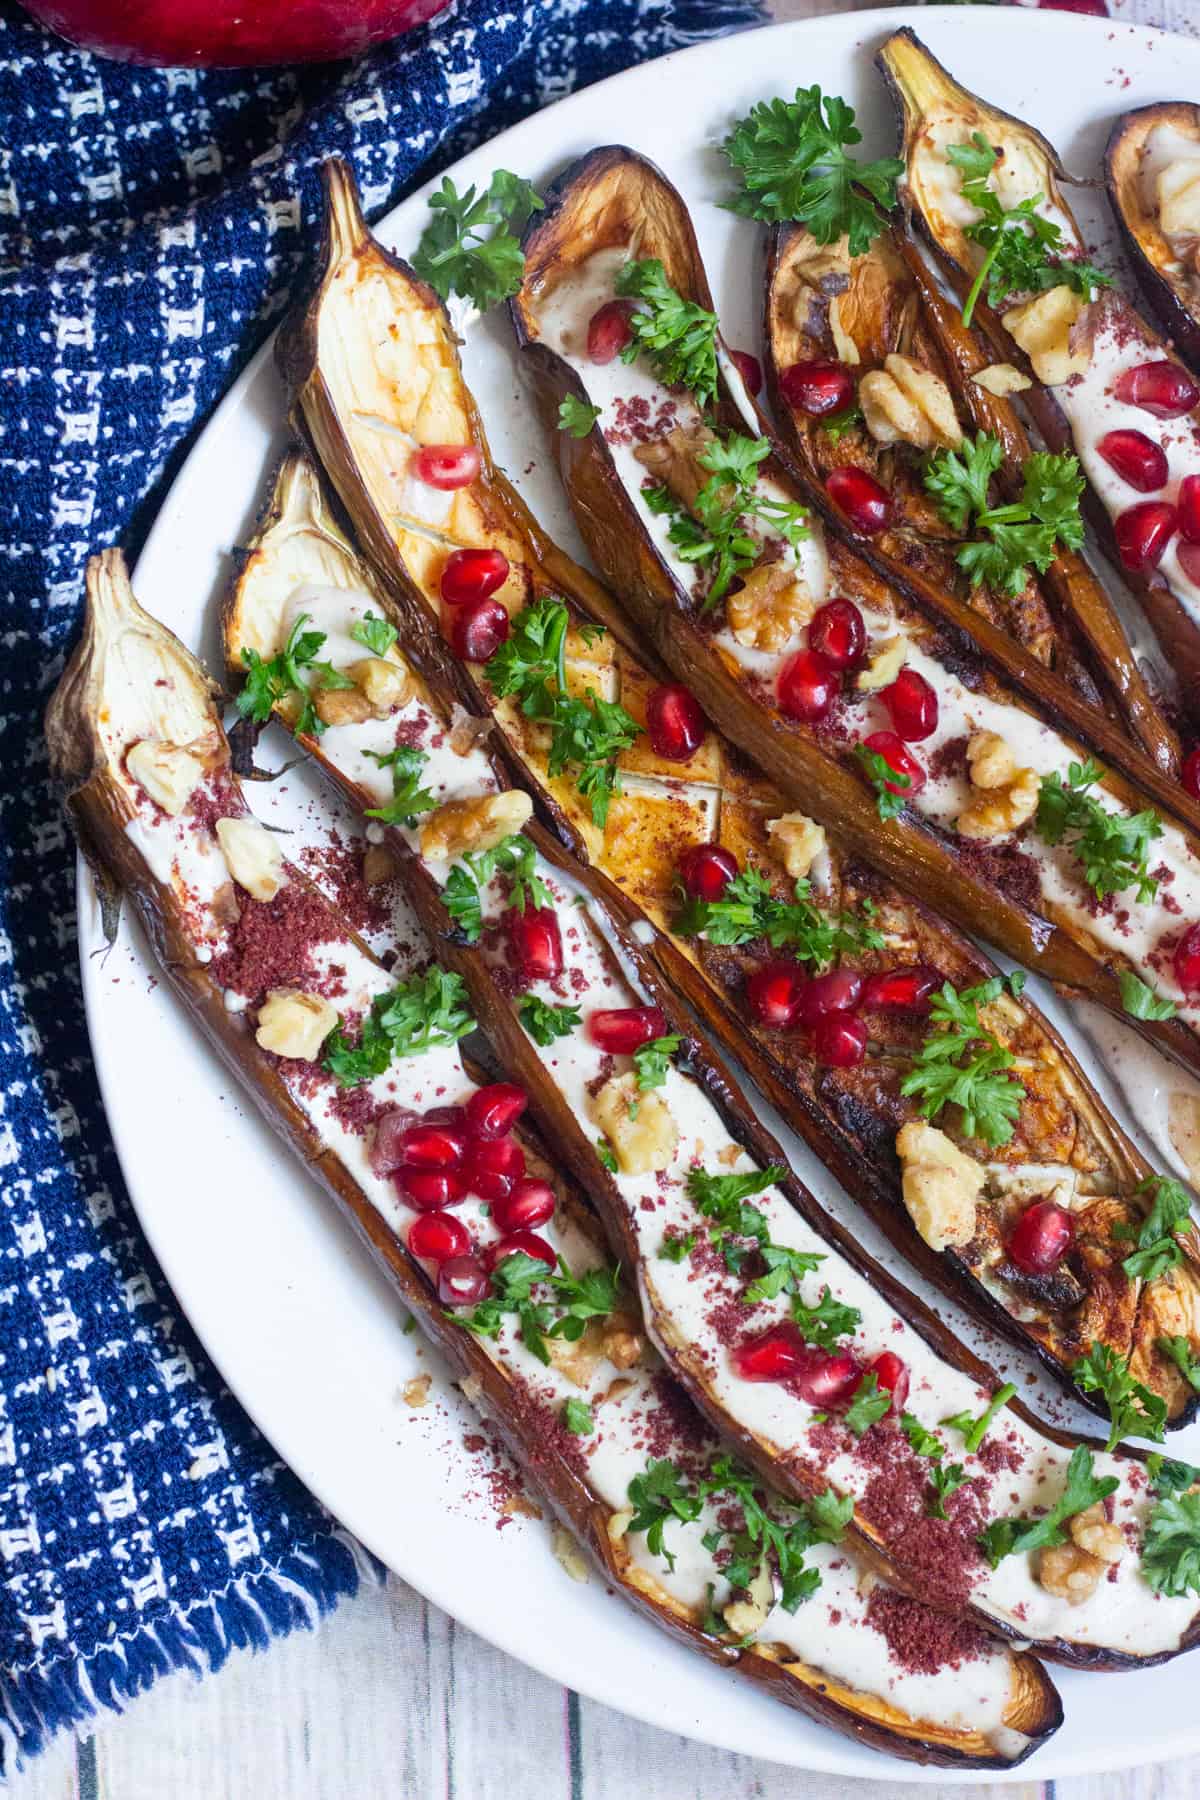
(1137, 459)
(818, 388)
(227, 34)
(1161, 388)
(706, 870)
(1041, 1238)
(1143, 533)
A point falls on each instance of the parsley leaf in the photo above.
(574, 1300)
(544, 1022)
(966, 1066)
(945, 1479)
(958, 480)
(975, 1430)
(924, 1443)
(827, 1321)
(837, 425)
(676, 1247)
(426, 1011)
(791, 157)
(868, 1406)
(577, 1417)
(1131, 1407)
(891, 787)
(748, 910)
(651, 1061)
(1019, 533)
(785, 1271)
(604, 1152)
(1171, 1549)
(1114, 848)
(454, 256)
(679, 337)
(1168, 1476)
(823, 1520)
(577, 416)
(514, 856)
(720, 1197)
(408, 797)
(1141, 1001)
(1010, 1537)
(657, 1496)
(1157, 1250)
(375, 634)
(269, 682)
(1179, 1350)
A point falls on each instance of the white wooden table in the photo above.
(390, 1699)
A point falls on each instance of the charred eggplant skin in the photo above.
(1176, 309)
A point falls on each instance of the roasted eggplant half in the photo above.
(1104, 383)
(1152, 164)
(660, 822)
(136, 741)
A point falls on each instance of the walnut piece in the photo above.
(941, 1185)
(463, 825)
(905, 403)
(252, 856)
(384, 684)
(341, 706)
(577, 1361)
(881, 668)
(639, 1126)
(990, 761)
(1006, 797)
(770, 608)
(673, 460)
(169, 773)
(1094, 1532)
(1042, 327)
(1070, 1573)
(1001, 379)
(1177, 191)
(799, 841)
(844, 345)
(293, 1024)
(744, 1617)
(623, 1344)
(379, 866)
(568, 1555)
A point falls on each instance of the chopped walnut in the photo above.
(463, 825)
(1070, 1573)
(638, 1125)
(673, 460)
(1007, 797)
(252, 856)
(169, 773)
(1001, 379)
(881, 668)
(799, 841)
(568, 1555)
(385, 684)
(844, 345)
(1094, 1532)
(770, 608)
(293, 1024)
(990, 761)
(941, 1185)
(577, 1361)
(905, 403)
(379, 866)
(416, 1392)
(1042, 327)
(623, 1345)
(341, 706)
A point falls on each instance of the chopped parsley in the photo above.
(604, 1152)
(426, 1011)
(1131, 1406)
(975, 1430)
(822, 1520)
(837, 425)
(724, 1199)
(1178, 1350)
(513, 856)
(373, 633)
(650, 1062)
(1018, 534)
(577, 416)
(1114, 848)
(965, 1065)
(269, 682)
(1171, 1547)
(408, 796)
(868, 1406)
(1014, 1537)
(945, 1479)
(676, 1247)
(1140, 1001)
(891, 787)
(827, 1321)
(574, 1300)
(546, 1023)
(1157, 1250)
(924, 1443)
(455, 257)
(786, 1269)
(1168, 1476)
(748, 910)
(679, 337)
(658, 1495)
(577, 1417)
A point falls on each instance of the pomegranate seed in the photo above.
(493, 1167)
(773, 1355)
(478, 630)
(808, 686)
(454, 1116)
(438, 1236)
(447, 465)
(462, 1281)
(913, 705)
(390, 1127)
(867, 505)
(472, 575)
(520, 1243)
(430, 1189)
(1041, 1237)
(827, 1378)
(1136, 458)
(535, 942)
(675, 722)
(839, 1041)
(623, 1029)
(900, 760)
(492, 1111)
(749, 368)
(773, 995)
(838, 634)
(903, 990)
(609, 331)
(1186, 960)
(817, 388)
(837, 992)
(892, 1375)
(431, 1147)
(1189, 775)
(1189, 560)
(530, 1203)
(1161, 388)
(1187, 502)
(1143, 533)
(706, 870)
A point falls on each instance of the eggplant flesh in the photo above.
(1150, 155)
(109, 700)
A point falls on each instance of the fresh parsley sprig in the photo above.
(456, 257)
(546, 1023)
(762, 1534)
(1083, 1488)
(786, 1269)
(1168, 1476)
(1140, 1000)
(573, 1300)
(373, 633)
(513, 856)
(963, 1064)
(868, 1406)
(826, 1322)
(974, 1430)
(657, 1496)
(577, 1417)
(679, 337)
(1131, 1406)
(426, 1011)
(891, 786)
(1114, 848)
(748, 910)
(408, 796)
(281, 676)
(1171, 1548)
(651, 1061)
(791, 158)
(577, 416)
(726, 524)
(725, 1200)
(945, 1479)
(1178, 1349)
(1157, 1249)
(1021, 532)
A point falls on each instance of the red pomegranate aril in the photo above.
(493, 1167)
(749, 368)
(1189, 559)
(867, 505)
(706, 870)
(478, 630)
(827, 1378)
(385, 1153)
(1187, 505)
(447, 466)
(430, 1189)
(891, 1374)
(535, 941)
(1041, 1238)
(675, 721)
(839, 1041)
(1143, 533)
(836, 992)
(808, 686)
(1186, 960)
(472, 575)
(438, 1236)
(774, 1355)
(817, 388)
(453, 1116)
(1136, 458)
(905, 990)
(623, 1029)
(838, 634)
(530, 1203)
(900, 761)
(773, 995)
(492, 1111)
(1189, 775)
(520, 1243)
(913, 706)
(463, 1281)
(428, 1146)
(609, 331)
(1161, 388)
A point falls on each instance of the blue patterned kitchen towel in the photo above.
(151, 226)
